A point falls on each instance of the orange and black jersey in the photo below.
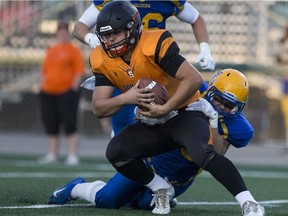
(155, 56)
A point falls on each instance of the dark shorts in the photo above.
(60, 110)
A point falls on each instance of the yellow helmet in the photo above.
(229, 85)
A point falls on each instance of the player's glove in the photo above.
(205, 107)
(92, 40)
(204, 58)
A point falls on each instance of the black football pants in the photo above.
(189, 129)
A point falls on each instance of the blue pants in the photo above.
(121, 191)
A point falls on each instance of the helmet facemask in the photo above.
(116, 17)
(227, 100)
(228, 92)
(117, 49)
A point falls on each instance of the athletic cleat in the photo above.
(250, 208)
(173, 203)
(72, 160)
(162, 200)
(47, 159)
(62, 195)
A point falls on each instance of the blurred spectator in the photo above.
(18, 18)
(282, 58)
(62, 72)
(284, 104)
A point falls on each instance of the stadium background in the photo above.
(245, 35)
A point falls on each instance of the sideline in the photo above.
(265, 203)
(109, 173)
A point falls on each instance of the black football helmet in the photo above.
(119, 16)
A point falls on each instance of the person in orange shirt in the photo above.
(61, 73)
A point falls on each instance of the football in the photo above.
(161, 95)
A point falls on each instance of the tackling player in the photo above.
(120, 39)
(154, 15)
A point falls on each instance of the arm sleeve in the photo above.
(240, 131)
(89, 16)
(189, 14)
(101, 80)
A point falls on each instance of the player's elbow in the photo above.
(97, 110)
(99, 113)
(102, 111)
(76, 30)
(197, 80)
(199, 22)
(200, 81)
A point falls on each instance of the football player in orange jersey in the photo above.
(154, 15)
(128, 54)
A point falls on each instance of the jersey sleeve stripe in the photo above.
(171, 63)
(172, 60)
(165, 35)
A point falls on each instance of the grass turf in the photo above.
(26, 186)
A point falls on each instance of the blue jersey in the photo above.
(153, 13)
(237, 131)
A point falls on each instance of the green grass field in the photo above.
(26, 186)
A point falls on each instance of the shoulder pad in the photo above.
(96, 57)
(151, 40)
